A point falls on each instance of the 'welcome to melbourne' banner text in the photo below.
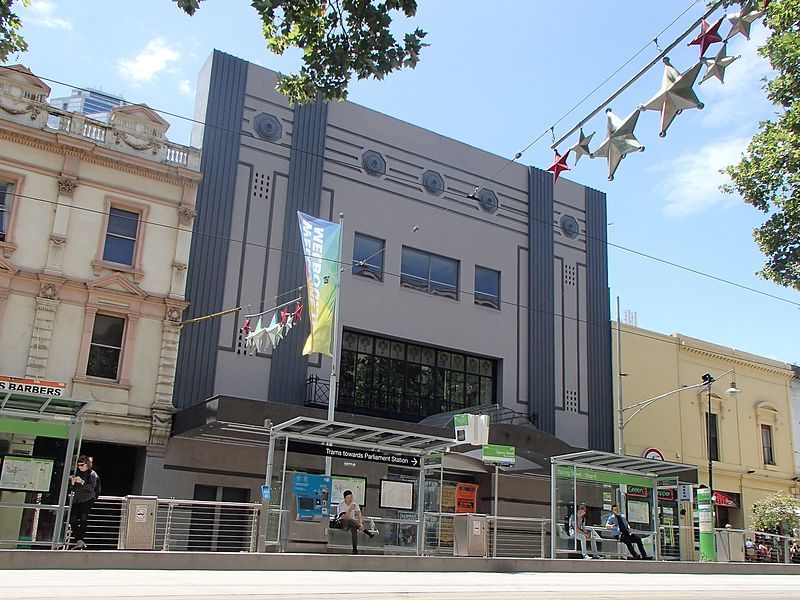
(321, 248)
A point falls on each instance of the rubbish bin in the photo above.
(730, 545)
(470, 535)
(138, 526)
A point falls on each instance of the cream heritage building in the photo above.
(95, 230)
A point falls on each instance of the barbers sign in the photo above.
(32, 387)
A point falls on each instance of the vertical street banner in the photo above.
(321, 249)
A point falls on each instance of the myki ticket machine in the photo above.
(312, 496)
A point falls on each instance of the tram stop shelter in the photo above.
(40, 437)
(300, 497)
(646, 490)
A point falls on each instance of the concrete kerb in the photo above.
(225, 561)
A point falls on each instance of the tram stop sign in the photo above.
(497, 454)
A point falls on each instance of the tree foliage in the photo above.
(11, 41)
(339, 39)
(768, 174)
(779, 510)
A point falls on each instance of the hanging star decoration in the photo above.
(620, 140)
(275, 331)
(559, 165)
(716, 66)
(709, 34)
(581, 148)
(676, 94)
(246, 328)
(742, 21)
(256, 338)
(298, 313)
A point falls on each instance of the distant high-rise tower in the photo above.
(92, 103)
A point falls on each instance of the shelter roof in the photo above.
(646, 467)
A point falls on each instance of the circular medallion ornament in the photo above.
(570, 227)
(488, 201)
(267, 127)
(433, 183)
(653, 454)
(374, 163)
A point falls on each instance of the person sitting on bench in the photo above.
(350, 518)
(581, 532)
(621, 531)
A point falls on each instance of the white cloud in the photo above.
(692, 183)
(42, 12)
(155, 57)
(185, 88)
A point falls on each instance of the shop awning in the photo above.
(21, 405)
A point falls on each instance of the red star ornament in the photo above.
(559, 165)
(709, 34)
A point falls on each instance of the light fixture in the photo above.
(733, 390)
(750, 471)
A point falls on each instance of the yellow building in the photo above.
(751, 440)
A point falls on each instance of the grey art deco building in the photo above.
(498, 299)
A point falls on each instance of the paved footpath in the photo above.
(328, 585)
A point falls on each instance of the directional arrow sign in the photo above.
(345, 452)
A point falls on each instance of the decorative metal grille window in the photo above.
(406, 381)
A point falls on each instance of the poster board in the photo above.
(26, 474)
(466, 497)
(397, 494)
(638, 512)
(357, 485)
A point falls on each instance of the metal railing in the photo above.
(508, 537)
(185, 525)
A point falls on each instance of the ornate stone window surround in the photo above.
(109, 303)
(8, 246)
(766, 414)
(136, 269)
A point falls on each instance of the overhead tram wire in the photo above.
(638, 253)
(550, 129)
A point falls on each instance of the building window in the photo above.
(368, 256)
(105, 349)
(712, 432)
(405, 381)
(429, 273)
(766, 445)
(120, 246)
(6, 198)
(487, 287)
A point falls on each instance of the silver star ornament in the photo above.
(620, 140)
(676, 94)
(582, 147)
(742, 21)
(716, 66)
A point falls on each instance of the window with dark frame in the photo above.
(487, 287)
(6, 197)
(105, 349)
(120, 245)
(766, 445)
(368, 256)
(713, 436)
(437, 275)
(407, 381)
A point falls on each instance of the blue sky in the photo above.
(496, 76)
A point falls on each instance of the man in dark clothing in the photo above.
(621, 530)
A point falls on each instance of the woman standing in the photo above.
(85, 486)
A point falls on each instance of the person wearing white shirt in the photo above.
(350, 518)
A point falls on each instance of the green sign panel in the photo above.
(461, 420)
(497, 453)
(34, 428)
(584, 474)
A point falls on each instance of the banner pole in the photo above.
(335, 340)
